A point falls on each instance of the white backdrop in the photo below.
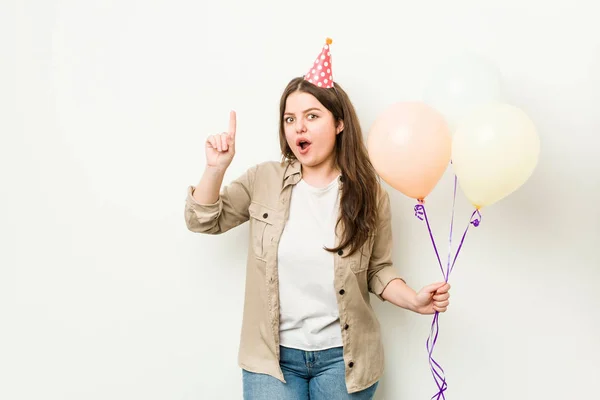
(105, 106)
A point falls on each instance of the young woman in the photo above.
(320, 241)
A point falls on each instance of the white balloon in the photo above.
(494, 152)
(461, 84)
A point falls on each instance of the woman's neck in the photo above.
(320, 175)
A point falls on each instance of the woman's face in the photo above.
(310, 129)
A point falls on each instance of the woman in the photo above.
(321, 240)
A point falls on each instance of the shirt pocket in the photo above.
(261, 220)
(362, 257)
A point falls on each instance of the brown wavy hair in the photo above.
(360, 183)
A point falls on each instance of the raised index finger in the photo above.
(232, 123)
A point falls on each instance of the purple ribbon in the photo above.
(436, 369)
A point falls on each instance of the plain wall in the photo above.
(105, 107)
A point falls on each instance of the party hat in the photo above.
(320, 73)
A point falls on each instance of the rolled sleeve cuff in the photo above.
(382, 278)
(204, 212)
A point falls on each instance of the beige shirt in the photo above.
(262, 196)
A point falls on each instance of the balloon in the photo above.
(410, 146)
(494, 151)
(461, 84)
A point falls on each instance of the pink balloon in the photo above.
(410, 147)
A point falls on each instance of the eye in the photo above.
(312, 116)
(289, 120)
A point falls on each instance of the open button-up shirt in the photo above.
(262, 196)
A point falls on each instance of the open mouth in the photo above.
(304, 144)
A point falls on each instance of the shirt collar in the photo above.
(293, 173)
(293, 167)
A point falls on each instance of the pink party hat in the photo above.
(320, 73)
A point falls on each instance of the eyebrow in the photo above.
(305, 111)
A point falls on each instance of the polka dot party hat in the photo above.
(320, 73)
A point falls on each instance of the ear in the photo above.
(340, 126)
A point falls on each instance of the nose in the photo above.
(300, 126)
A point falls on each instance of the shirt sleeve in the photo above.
(381, 270)
(229, 211)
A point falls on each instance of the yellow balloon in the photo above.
(494, 152)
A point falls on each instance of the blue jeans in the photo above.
(310, 375)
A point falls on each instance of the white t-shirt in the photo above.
(309, 318)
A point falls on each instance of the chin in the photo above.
(311, 163)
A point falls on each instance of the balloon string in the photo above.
(452, 224)
(475, 220)
(420, 212)
(436, 370)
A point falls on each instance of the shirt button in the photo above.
(342, 291)
(351, 364)
(265, 215)
(346, 326)
(340, 252)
